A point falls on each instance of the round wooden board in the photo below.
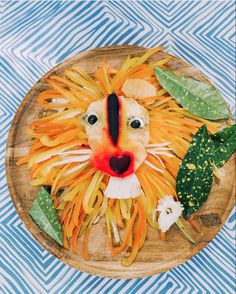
(156, 255)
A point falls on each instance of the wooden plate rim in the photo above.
(82, 267)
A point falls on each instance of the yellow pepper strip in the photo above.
(78, 202)
(85, 245)
(91, 192)
(147, 187)
(89, 221)
(65, 241)
(86, 87)
(87, 77)
(149, 214)
(74, 85)
(109, 233)
(48, 94)
(36, 158)
(162, 101)
(72, 193)
(39, 181)
(118, 215)
(91, 217)
(114, 228)
(43, 168)
(57, 117)
(163, 61)
(59, 87)
(104, 72)
(84, 176)
(161, 92)
(124, 209)
(61, 172)
(128, 231)
(130, 63)
(62, 138)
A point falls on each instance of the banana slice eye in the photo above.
(92, 119)
(136, 123)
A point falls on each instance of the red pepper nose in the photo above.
(119, 164)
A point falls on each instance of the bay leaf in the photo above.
(195, 176)
(197, 97)
(45, 216)
(224, 143)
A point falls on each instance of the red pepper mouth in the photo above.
(118, 164)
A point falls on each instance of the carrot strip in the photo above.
(74, 237)
(163, 235)
(85, 245)
(138, 238)
(148, 99)
(111, 202)
(194, 224)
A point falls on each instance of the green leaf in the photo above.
(224, 134)
(225, 144)
(45, 216)
(195, 176)
(197, 97)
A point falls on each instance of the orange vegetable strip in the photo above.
(38, 167)
(77, 228)
(66, 210)
(67, 222)
(194, 224)
(129, 228)
(147, 187)
(138, 237)
(59, 87)
(65, 241)
(111, 202)
(83, 177)
(148, 99)
(78, 200)
(48, 94)
(74, 237)
(141, 74)
(55, 202)
(85, 244)
(163, 235)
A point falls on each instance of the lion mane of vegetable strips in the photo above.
(113, 144)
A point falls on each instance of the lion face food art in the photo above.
(112, 143)
(118, 133)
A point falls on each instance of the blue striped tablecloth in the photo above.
(34, 37)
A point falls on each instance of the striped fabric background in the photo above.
(35, 36)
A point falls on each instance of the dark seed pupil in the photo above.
(92, 119)
(135, 124)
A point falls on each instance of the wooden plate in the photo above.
(156, 255)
